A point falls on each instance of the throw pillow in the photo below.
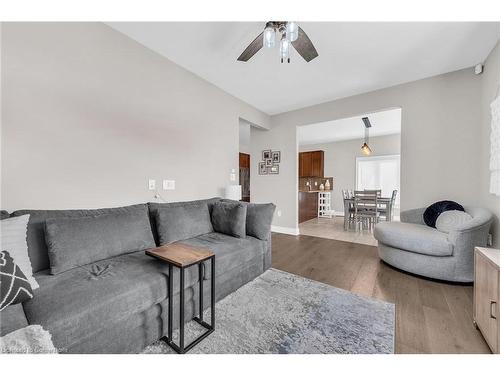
(13, 238)
(434, 210)
(450, 220)
(14, 285)
(74, 242)
(230, 218)
(177, 223)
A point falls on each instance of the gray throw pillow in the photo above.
(177, 223)
(259, 219)
(230, 218)
(74, 242)
(450, 220)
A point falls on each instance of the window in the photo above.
(379, 172)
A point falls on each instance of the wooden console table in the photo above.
(487, 295)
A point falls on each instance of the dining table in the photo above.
(381, 201)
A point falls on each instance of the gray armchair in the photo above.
(412, 246)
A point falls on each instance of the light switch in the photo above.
(168, 184)
(232, 176)
(152, 184)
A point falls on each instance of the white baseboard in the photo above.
(285, 230)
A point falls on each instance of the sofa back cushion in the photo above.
(74, 242)
(37, 248)
(180, 222)
(230, 218)
(155, 206)
(259, 219)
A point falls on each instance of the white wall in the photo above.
(440, 146)
(490, 88)
(244, 136)
(89, 115)
(340, 161)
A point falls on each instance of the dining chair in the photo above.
(387, 209)
(366, 210)
(348, 209)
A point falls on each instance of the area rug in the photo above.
(279, 312)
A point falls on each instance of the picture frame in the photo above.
(274, 169)
(269, 162)
(266, 154)
(276, 157)
(262, 167)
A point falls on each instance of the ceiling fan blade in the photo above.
(252, 48)
(304, 46)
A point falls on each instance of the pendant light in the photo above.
(365, 149)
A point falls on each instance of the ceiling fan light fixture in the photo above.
(285, 49)
(292, 31)
(269, 37)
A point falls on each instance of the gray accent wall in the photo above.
(490, 88)
(340, 161)
(440, 147)
(89, 115)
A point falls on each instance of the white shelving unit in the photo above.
(324, 204)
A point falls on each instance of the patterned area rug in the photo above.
(279, 312)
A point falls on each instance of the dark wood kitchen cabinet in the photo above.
(311, 164)
(308, 206)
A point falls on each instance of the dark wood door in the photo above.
(244, 160)
(245, 176)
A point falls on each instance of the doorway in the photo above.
(346, 166)
(244, 159)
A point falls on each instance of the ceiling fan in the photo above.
(289, 33)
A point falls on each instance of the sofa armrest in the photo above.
(414, 216)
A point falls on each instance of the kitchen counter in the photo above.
(315, 191)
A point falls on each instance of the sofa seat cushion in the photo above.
(230, 252)
(413, 237)
(86, 299)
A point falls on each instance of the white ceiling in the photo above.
(383, 123)
(354, 57)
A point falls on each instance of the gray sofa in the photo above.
(412, 246)
(119, 304)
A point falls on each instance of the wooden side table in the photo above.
(184, 256)
(487, 295)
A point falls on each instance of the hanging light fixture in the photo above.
(365, 149)
(285, 49)
(292, 31)
(269, 36)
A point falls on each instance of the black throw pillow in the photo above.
(14, 286)
(434, 210)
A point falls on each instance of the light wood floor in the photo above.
(334, 229)
(431, 317)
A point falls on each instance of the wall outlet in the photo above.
(151, 184)
(168, 184)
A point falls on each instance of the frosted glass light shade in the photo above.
(233, 192)
(292, 31)
(269, 37)
(285, 50)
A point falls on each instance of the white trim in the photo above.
(285, 230)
